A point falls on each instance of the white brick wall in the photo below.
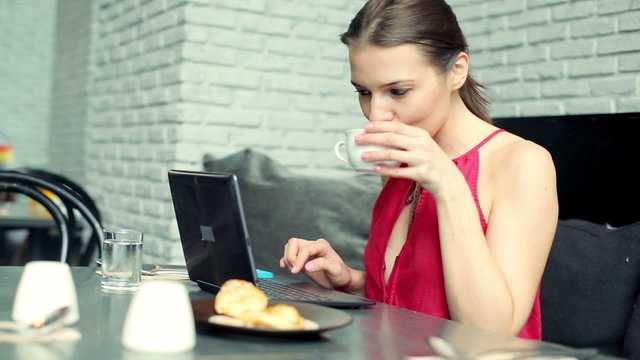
(134, 109)
(265, 74)
(548, 57)
(26, 56)
(173, 81)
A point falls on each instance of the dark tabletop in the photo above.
(378, 332)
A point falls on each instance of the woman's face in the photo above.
(396, 83)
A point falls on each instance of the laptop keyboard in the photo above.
(282, 291)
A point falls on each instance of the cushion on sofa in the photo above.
(590, 285)
(279, 204)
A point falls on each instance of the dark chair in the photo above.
(81, 252)
(76, 202)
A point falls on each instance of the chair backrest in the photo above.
(81, 251)
(76, 201)
(69, 185)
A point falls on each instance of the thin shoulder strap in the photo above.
(486, 140)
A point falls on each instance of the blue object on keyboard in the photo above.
(263, 274)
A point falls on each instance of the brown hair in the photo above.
(428, 23)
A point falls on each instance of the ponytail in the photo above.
(474, 97)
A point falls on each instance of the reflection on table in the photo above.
(378, 332)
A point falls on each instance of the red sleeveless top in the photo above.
(416, 281)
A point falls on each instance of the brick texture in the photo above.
(574, 57)
(172, 83)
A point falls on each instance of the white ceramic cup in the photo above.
(160, 319)
(45, 286)
(354, 152)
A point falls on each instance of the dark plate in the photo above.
(327, 319)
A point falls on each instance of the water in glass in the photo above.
(121, 265)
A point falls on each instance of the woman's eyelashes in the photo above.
(394, 92)
(399, 92)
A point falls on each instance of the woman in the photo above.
(462, 229)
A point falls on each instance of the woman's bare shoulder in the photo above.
(514, 156)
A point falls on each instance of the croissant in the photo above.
(243, 301)
(237, 296)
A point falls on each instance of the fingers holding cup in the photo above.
(355, 150)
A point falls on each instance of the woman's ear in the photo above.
(459, 70)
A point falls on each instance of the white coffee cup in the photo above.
(354, 152)
(45, 286)
(160, 319)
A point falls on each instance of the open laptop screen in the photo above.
(214, 236)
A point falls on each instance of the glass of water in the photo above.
(121, 260)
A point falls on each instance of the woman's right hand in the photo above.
(319, 261)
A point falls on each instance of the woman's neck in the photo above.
(462, 129)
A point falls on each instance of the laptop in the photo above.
(216, 246)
